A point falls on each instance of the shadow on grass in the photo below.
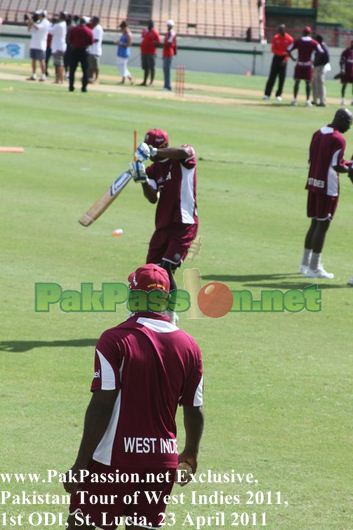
(248, 277)
(297, 285)
(19, 346)
(279, 281)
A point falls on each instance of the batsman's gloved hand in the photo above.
(143, 152)
(153, 151)
(138, 172)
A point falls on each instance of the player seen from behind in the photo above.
(144, 368)
(306, 45)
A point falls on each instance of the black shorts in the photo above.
(148, 61)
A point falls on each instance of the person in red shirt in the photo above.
(149, 42)
(326, 159)
(171, 183)
(169, 50)
(144, 369)
(279, 45)
(346, 76)
(79, 38)
(304, 67)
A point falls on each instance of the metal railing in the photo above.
(307, 4)
(112, 12)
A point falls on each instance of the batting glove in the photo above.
(153, 151)
(143, 152)
(138, 172)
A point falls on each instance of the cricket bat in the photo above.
(102, 204)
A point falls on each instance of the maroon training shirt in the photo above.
(80, 37)
(305, 46)
(155, 366)
(176, 182)
(326, 152)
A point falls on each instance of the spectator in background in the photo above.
(346, 64)
(59, 31)
(48, 51)
(95, 51)
(123, 52)
(149, 41)
(304, 67)
(321, 65)
(69, 24)
(169, 50)
(80, 37)
(38, 26)
(279, 46)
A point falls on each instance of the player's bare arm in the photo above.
(193, 424)
(98, 414)
(150, 193)
(145, 152)
(291, 55)
(172, 153)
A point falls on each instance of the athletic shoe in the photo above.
(308, 103)
(279, 99)
(319, 273)
(32, 78)
(350, 282)
(294, 103)
(266, 98)
(303, 269)
(343, 102)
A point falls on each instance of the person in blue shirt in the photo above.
(123, 52)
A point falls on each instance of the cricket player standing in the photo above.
(171, 182)
(144, 368)
(326, 157)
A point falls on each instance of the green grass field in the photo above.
(278, 386)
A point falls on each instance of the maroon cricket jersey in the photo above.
(326, 152)
(155, 367)
(176, 182)
(305, 46)
(347, 64)
(80, 37)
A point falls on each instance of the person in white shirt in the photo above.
(38, 26)
(58, 47)
(95, 51)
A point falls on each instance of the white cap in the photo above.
(86, 19)
(170, 22)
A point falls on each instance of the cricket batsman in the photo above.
(170, 181)
(144, 368)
